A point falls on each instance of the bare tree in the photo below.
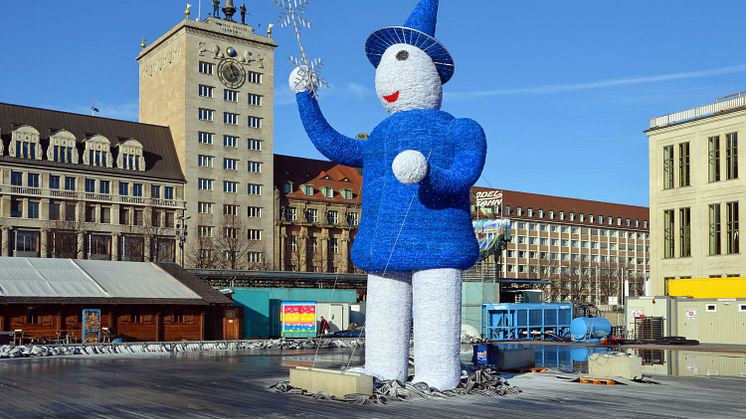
(65, 238)
(233, 243)
(154, 232)
(203, 254)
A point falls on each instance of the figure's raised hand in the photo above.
(410, 167)
(302, 80)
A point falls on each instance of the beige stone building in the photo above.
(587, 250)
(696, 184)
(318, 213)
(211, 82)
(75, 186)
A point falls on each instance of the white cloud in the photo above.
(602, 84)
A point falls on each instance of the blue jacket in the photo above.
(406, 228)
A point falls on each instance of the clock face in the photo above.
(231, 73)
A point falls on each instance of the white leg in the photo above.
(437, 327)
(388, 321)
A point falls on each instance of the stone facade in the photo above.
(89, 188)
(696, 184)
(212, 83)
(318, 211)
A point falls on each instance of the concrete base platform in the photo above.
(333, 382)
(516, 359)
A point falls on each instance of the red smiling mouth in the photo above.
(393, 97)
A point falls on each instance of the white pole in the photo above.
(199, 10)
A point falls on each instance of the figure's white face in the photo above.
(407, 79)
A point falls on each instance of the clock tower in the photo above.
(212, 83)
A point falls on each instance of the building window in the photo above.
(685, 232)
(32, 180)
(33, 209)
(205, 231)
(287, 187)
(70, 210)
(255, 122)
(206, 137)
(333, 246)
(206, 91)
(230, 164)
(312, 215)
(137, 189)
(353, 218)
(684, 171)
(104, 187)
(205, 184)
(54, 182)
(206, 114)
(230, 95)
(307, 190)
(230, 187)
(668, 167)
(291, 214)
(255, 145)
(105, 215)
(255, 167)
(230, 141)
(711, 308)
(124, 188)
(346, 193)
(255, 235)
(732, 227)
(254, 189)
(731, 156)
(668, 238)
(230, 118)
(255, 100)
(90, 185)
(332, 217)
(168, 192)
(327, 191)
(255, 212)
(54, 211)
(206, 68)
(26, 243)
(16, 178)
(255, 257)
(715, 229)
(155, 191)
(205, 161)
(205, 207)
(230, 209)
(713, 158)
(254, 77)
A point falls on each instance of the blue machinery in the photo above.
(590, 329)
(525, 321)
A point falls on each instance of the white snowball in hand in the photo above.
(298, 81)
(410, 167)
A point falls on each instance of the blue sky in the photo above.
(563, 89)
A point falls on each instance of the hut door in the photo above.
(231, 329)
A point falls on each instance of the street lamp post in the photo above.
(181, 231)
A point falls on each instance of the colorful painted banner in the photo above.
(298, 318)
(91, 332)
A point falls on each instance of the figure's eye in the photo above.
(402, 55)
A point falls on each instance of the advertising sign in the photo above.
(91, 332)
(489, 199)
(298, 319)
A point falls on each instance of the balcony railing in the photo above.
(88, 196)
(727, 103)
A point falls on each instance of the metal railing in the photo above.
(724, 104)
(89, 196)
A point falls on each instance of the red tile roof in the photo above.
(317, 173)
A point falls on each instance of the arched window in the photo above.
(24, 143)
(97, 151)
(130, 156)
(62, 147)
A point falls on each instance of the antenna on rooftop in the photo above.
(94, 109)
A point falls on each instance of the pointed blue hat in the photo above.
(419, 31)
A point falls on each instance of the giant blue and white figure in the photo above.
(415, 235)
